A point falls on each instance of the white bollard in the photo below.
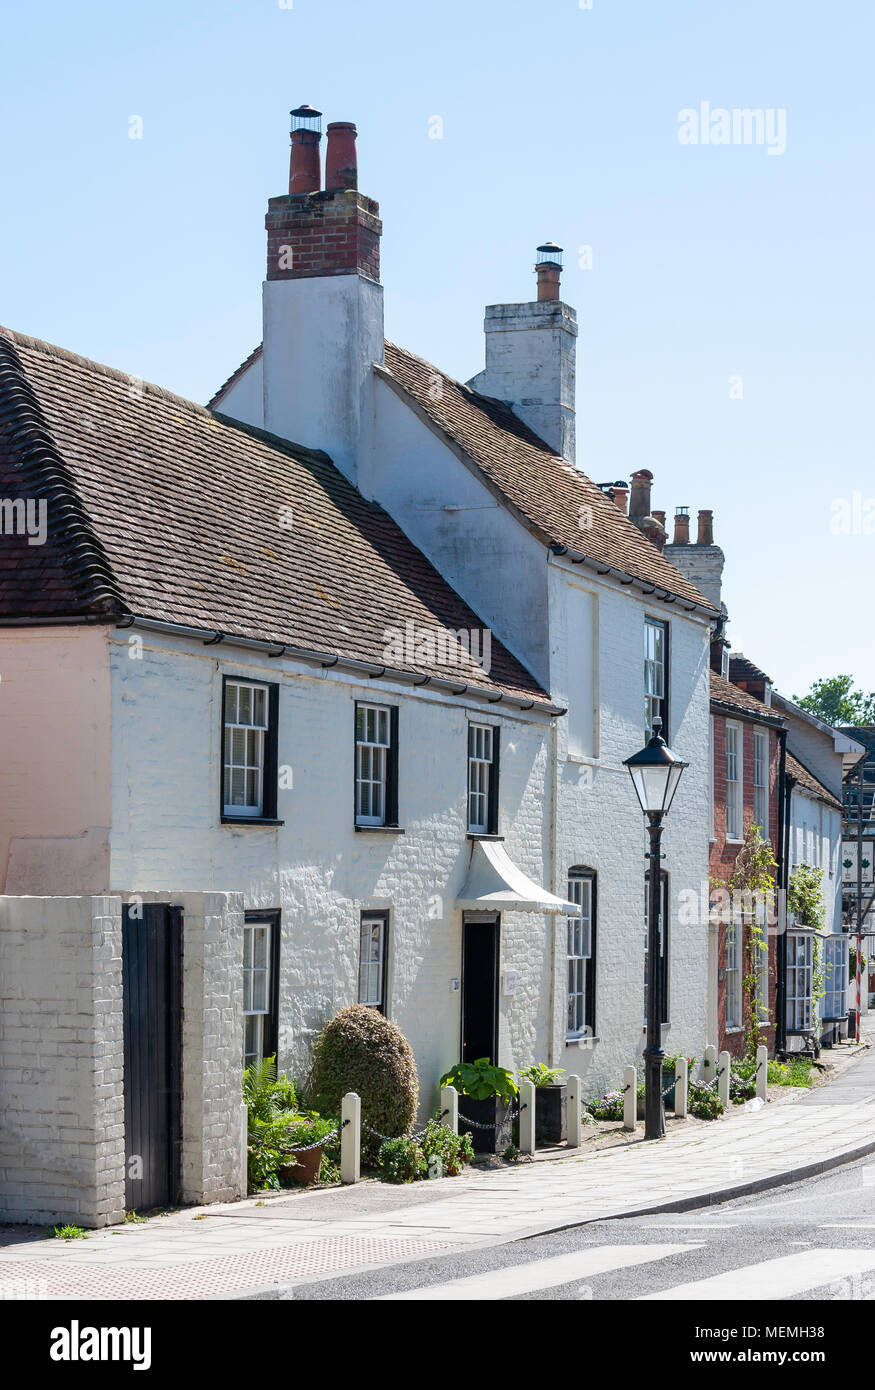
(723, 1083)
(709, 1064)
(574, 1112)
(681, 1086)
(351, 1138)
(630, 1097)
(450, 1108)
(527, 1117)
(763, 1072)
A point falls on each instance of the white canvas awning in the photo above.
(494, 883)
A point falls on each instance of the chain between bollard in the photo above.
(305, 1148)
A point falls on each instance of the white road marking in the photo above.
(541, 1274)
(782, 1278)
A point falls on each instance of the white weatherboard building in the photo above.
(321, 695)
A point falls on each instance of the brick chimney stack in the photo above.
(681, 526)
(706, 528)
(323, 302)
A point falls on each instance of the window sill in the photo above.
(483, 835)
(379, 830)
(736, 1028)
(250, 820)
(581, 1042)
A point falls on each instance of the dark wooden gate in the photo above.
(152, 975)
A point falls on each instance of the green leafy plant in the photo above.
(541, 1075)
(704, 1102)
(446, 1153)
(752, 883)
(852, 964)
(361, 1050)
(669, 1064)
(402, 1160)
(481, 1080)
(805, 896)
(270, 1109)
(511, 1154)
(796, 1071)
(300, 1131)
(69, 1233)
(610, 1107)
(131, 1218)
(741, 1087)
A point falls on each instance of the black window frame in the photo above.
(390, 820)
(273, 917)
(270, 773)
(665, 701)
(665, 963)
(384, 915)
(492, 798)
(583, 871)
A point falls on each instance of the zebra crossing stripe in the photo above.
(541, 1274)
(781, 1278)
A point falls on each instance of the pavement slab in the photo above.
(256, 1245)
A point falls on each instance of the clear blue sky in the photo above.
(560, 122)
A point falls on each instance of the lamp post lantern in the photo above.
(655, 772)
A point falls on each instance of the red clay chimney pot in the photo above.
(341, 162)
(305, 174)
(706, 528)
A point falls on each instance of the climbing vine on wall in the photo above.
(805, 900)
(752, 886)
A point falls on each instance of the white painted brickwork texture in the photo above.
(61, 1061)
(315, 867)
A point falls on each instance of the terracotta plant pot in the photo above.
(304, 1170)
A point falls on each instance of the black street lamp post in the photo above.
(655, 773)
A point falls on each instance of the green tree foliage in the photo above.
(835, 701)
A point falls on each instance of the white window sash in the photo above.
(247, 715)
(372, 950)
(579, 949)
(480, 748)
(373, 742)
(734, 789)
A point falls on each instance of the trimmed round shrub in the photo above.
(360, 1050)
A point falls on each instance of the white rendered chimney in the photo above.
(530, 357)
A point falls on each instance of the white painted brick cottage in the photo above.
(344, 667)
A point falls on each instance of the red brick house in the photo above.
(747, 738)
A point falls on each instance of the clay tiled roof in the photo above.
(554, 497)
(235, 377)
(799, 773)
(161, 509)
(724, 693)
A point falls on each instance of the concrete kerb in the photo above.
(706, 1199)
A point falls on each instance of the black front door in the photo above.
(480, 986)
(151, 973)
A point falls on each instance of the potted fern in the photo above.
(486, 1096)
(551, 1102)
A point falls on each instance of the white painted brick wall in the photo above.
(166, 831)
(61, 1060)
